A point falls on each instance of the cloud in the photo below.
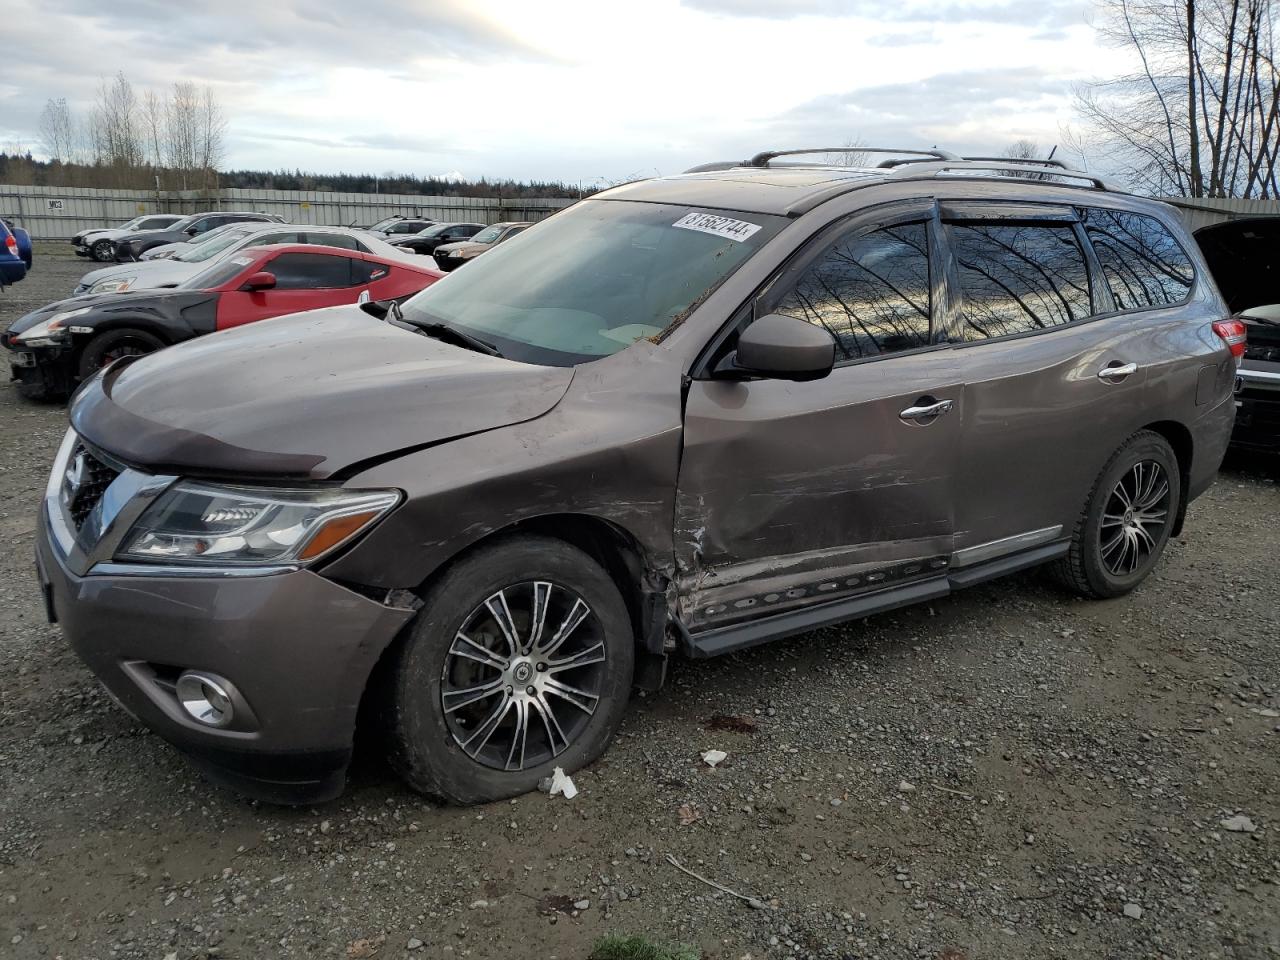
(1042, 13)
(968, 111)
(242, 48)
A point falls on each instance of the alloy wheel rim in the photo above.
(1132, 522)
(523, 675)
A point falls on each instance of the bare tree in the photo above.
(1023, 150)
(58, 135)
(154, 116)
(212, 128)
(183, 129)
(1200, 115)
(852, 156)
(117, 141)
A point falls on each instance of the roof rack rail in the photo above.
(1034, 169)
(900, 161)
(762, 159)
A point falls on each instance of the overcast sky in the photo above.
(569, 91)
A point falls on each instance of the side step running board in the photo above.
(740, 636)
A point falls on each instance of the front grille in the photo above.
(85, 481)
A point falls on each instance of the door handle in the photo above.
(1117, 372)
(926, 409)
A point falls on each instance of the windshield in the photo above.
(487, 235)
(593, 279)
(131, 224)
(216, 274)
(212, 247)
(434, 229)
(383, 224)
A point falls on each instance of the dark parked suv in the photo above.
(683, 417)
(133, 245)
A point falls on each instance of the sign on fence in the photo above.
(55, 204)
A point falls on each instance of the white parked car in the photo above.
(222, 243)
(97, 244)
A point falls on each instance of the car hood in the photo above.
(468, 246)
(101, 304)
(108, 234)
(149, 273)
(305, 396)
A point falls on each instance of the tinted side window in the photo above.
(205, 224)
(870, 292)
(310, 271)
(157, 223)
(1019, 278)
(1142, 262)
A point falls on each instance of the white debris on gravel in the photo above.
(713, 757)
(1239, 824)
(562, 783)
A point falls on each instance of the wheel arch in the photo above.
(1180, 439)
(639, 581)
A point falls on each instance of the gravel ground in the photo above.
(1007, 773)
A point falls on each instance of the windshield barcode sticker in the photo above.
(726, 227)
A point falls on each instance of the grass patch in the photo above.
(638, 948)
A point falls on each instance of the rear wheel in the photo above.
(106, 348)
(103, 251)
(1128, 520)
(520, 662)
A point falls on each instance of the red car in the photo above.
(57, 346)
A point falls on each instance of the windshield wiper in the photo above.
(442, 331)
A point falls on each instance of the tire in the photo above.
(110, 346)
(434, 749)
(103, 251)
(1113, 548)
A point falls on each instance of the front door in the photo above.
(793, 494)
(304, 281)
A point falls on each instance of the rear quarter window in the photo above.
(1143, 263)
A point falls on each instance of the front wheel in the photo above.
(1127, 522)
(103, 251)
(520, 661)
(106, 348)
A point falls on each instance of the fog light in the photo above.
(205, 698)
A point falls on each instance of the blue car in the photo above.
(15, 253)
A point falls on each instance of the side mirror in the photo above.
(262, 280)
(190, 231)
(778, 347)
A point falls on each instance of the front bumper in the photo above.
(1257, 409)
(297, 649)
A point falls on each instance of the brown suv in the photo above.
(685, 416)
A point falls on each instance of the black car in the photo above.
(399, 226)
(426, 241)
(1244, 257)
(132, 247)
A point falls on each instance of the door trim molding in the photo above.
(998, 548)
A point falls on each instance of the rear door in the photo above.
(792, 494)
(1052, 382)
(304, 281)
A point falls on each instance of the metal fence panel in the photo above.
(58, 213)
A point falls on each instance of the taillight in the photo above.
(12, 243)
(1232, 333)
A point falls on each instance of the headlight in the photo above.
(115, 285)
(157, 255)
(455, 253)
(205, 523)
(50, 331)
